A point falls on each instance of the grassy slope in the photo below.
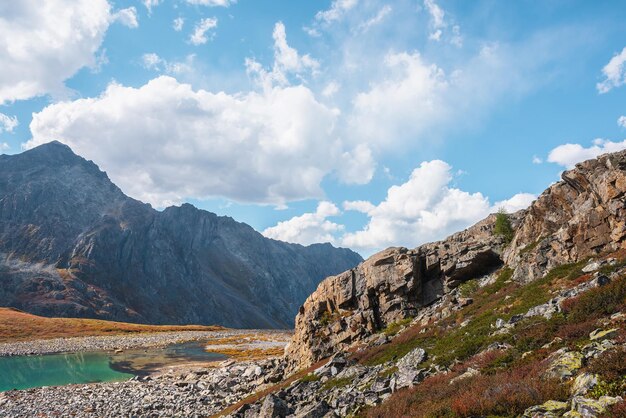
(20, 326)
(510, 380)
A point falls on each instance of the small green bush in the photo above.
(311, 377)
(468, 288)
(337, 383)
(530, 246)
(393, 328)
(503, 226)
(326, 318)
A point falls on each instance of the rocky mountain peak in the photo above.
(88, 250)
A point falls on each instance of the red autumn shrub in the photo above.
(616, 411)
(611, 365)
(576, 331)
(431, 398)
(507, 393)
(504, 393)
(597, 302)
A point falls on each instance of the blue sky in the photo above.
(366, 123)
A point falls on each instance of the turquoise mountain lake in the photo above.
(23, 372)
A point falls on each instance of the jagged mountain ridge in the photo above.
(72, 244)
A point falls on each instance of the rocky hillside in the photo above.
(72, 244)
(582, 216)
(475, 325)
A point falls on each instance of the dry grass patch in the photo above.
(16, 325)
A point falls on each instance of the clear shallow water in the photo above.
(23, 372)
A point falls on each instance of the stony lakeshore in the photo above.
(111, 343)
(190, 389)
(183, 392)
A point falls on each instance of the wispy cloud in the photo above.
(178, 24)
(8, 123)
(127, 17)
(614, 73)
(213, 3)
(199, 35)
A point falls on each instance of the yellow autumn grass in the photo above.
(16, 325)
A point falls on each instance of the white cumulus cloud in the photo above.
(7, 123)
(404, 104)
(621, 121)
(308, 228)
(165, 142)
(614, 73)
(362, 206)
(127, 17)
(515, 203)
(568, 155)
(287, 61)
(423, 209)
(42, 44)
(199, 35)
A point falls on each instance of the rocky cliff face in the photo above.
(583, 215)
(72, 244)
(389, 287)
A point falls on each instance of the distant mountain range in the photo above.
(72, 244)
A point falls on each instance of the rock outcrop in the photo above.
(72, 244)
(581, 216)
(388, 287)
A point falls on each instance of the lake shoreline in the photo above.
(190, 388)
(112, 343)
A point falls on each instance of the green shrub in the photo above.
(393, 328)
(608, 269)
(503, 226)
(337, 383)
(468, 288)
(530, 246)
(326, 318)
(597, 302)
(311, 377)
(567, 271)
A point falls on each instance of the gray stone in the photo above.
(583, 383)
(316, 410)
(413, 359)
(273, 407)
